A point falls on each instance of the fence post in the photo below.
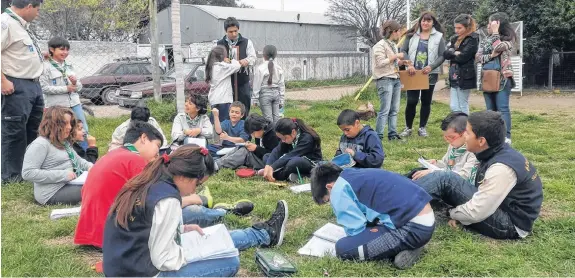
(178, 60)
(551, 71)
(154, 51)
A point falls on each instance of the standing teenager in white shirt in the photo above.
(219, 71)
(269, 85)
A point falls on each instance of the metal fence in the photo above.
(561, 73)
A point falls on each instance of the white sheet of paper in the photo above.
(80, 180)
(323, 241)
(65, 212)
(216, 243)
(426, 164)
(198, 141)
(306, 187)
(225, 151)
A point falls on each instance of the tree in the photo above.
(365, 16)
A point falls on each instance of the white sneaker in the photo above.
(508, 141)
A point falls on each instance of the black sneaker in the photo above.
(394, 137)
(276, 225)
(240, 208)
(407, 258)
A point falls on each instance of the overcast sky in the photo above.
(312, 6)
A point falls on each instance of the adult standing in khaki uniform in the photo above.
(22, 101)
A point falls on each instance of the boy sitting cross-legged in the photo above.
(360, 141)
(230, 131)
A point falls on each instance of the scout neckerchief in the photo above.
(62, 70)
(294, 143)
(34, 41)
(231, 45)
(456, 153)
(131, 148)
(193, 122)
(473, 173)
(73, 159)
(395, 63)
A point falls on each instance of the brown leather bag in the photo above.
(490, 81)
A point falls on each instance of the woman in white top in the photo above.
(269, 85)
(219, 70)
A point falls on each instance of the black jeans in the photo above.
(70, 194)
(454, 190)
(425, 110)
(297, 163)
(21, 115)
(244, 96)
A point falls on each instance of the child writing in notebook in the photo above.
(269, 86)
(384, 215)
(359, 141)
(142, 235)
(296, 155)
(457, 159)
(194, 122)
(219, 70)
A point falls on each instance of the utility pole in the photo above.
(178, 60)
(154, 49)
(408, 15)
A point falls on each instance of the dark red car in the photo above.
(194, 82)
(101, 87)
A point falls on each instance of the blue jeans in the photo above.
(389, 91)
(459, 100)
(224, 109)
(380, 242)
(454, 190)
(226, 267)
(79, 113)
(202, 216)
(270, 104)
(500, 102)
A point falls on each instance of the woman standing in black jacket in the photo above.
(461, 53)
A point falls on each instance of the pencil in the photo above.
(299, 176)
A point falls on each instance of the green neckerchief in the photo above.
(73, 159)
(193, 122)
(60, 69)
(294, 143)
(32, 37)
(473, 173)
(131, 148)
(453, 155)
(395, 63)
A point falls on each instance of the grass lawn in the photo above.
(34, 245)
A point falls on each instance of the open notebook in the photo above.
(216, 243)
(65, 212)
(81, 180)
(323, 241)
(426, 164)
(306, 187)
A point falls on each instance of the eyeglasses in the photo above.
(451, 138)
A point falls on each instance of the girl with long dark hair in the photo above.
(495, 53)
(296, 155)
(462, 75)
(219, 71)
(423, 47)
(143, 230)
(269, 85)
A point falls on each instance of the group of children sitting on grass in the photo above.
(130, 196)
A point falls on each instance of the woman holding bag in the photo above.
(462, 76)
(423, 47)
(494, 55)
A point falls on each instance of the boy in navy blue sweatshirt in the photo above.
(360, 141)
(384, 214)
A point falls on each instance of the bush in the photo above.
(163, 112)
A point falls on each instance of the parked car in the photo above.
(101, 87)
(194, 82)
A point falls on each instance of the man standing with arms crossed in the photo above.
(247, 57)
(22, 101)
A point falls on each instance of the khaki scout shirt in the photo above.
(19, 57)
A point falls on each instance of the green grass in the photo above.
(33, 245)
(354, 80)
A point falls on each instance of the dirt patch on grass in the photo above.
(246, 273)
(294, 224)
(91, 257)
(303, 107)
(551, 213)
(60, 241)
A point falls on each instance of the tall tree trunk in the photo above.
(178, 60)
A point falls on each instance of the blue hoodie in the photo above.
(367, 146)
(375, 196)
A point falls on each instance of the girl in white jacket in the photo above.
(269, 85)
(219, 70)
